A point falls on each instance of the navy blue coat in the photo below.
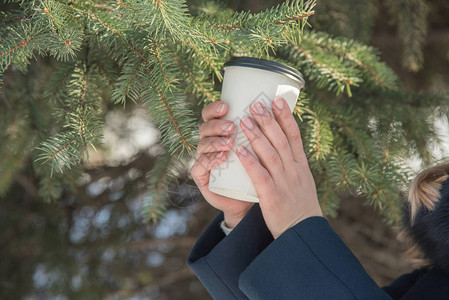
(308, 261)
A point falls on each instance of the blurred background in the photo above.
(93, 243)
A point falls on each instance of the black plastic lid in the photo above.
(268, 65)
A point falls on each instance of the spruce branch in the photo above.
(387, 143)
(295, 18)
(128, 85)
(301, 106)
(320, 66)
(174, 121)
(161, 65)
(380, 192)
(359, 141)
(352, 19)
(60, 151)
(20, 38)
(164, 95)
(160, 18)
(103, 23)
(23, 43)
(55, 87)
(411, 18)
(341, 163)
(203, 90)
(264, 30)
(157, 54)
(334, 73)
(176, 114)
(11, 19)
(289, 12)
(209, 61)
(363, 57)
(319, 135)
(26, 38)
(286, 13)
(62, 28)
(65, 44)
(48, 11)
(328, 198)
(164, 65)
(128, 6)
(165, 172)
(154, 66)
(20, 44)
(81, 124)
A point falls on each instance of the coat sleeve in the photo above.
(398, 288)
(308, 261)
(218, 260)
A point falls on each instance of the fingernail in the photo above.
(242, 151)
(248, 122)
(219, 154)
(220, 107)
(279, 103)
(227, 126)
(258, 108)
(226, 141)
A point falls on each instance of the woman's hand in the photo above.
(282, 178)
(215, 140)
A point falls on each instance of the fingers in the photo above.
(273, 132)
(200, 170)
(268, 156)
(216, 127)
(212, 128)
(215, 144)
(214, 110)
(290, 128)
(261, 178)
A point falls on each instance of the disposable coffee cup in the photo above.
(248, 80)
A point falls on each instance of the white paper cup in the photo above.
(248, 80)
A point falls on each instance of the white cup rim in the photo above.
(267, 65)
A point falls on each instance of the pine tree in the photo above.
(64, 62)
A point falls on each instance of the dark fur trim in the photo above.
(431, 230)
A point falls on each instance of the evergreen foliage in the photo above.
(411, 20)
(358, 123)
(355, 18)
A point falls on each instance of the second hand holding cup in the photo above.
(246, 81)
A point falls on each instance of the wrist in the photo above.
(231, 220)
(310, 214)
